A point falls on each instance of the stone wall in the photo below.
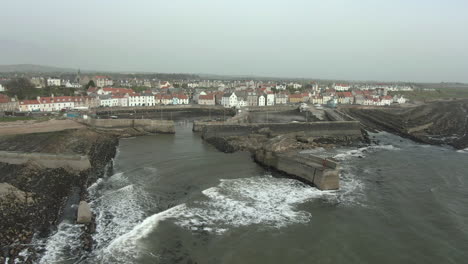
(148, 125)
(67, 161)
(311, 129)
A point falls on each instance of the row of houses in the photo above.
(52, 103)
(263, 97)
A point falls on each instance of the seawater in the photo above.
(175, 199)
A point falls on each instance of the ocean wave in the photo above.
(361, 152)
(63, 244)
(233, 203)
(463, 150)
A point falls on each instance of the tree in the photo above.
(90, 84)
(22, 88)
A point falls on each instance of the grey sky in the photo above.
(412, 40)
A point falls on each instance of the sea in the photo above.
(176, 199)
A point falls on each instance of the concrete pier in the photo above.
(322, 173)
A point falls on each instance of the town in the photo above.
(86, 92)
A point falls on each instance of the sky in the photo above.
(398, 40)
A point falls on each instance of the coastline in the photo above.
(51, 194)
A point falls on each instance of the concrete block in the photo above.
(327, 179)
(84, 213)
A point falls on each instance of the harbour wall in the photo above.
(310, 129)
(147, 125)
(47, 160)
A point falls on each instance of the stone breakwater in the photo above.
(144, 125)
(312, 129)
(276, 146)
(322, 173)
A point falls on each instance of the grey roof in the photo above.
(105, 96)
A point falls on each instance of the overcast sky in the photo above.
(407, 40)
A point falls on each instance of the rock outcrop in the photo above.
(441, 122)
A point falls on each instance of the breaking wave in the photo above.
(361, 152)
(64, 244)
(268, 201)
(463, 150)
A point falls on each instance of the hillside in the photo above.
(24, 68)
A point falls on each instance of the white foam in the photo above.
(463, 150)
(124, 249)
(360, 152)
(268, 201)
(241, 202)
(63, 245)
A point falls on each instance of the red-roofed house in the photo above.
(208, 99)
(92, 90)
(345, 97)
(115, 91)
(180, 99)
(296, 98)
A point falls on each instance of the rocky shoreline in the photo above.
(435, 123)
(28, 220)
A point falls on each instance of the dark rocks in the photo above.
(49, 189)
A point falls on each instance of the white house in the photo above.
(103, 81)
(69, 84)
(261, 100)
(180, 99)
(386, 100)
(29, 106)
(281, 98)
(280, 87)
(107, 101)
(341, 87)
(399, 99)
(136, 100)
(229, 100)
(297, 86)
(270, 98)
(121, 100)
(241, 101)
(192, 85)
(53, 81)
(2, 88)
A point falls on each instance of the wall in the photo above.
(322, 173)
(148, 125)
(67, 161)
(311, 129)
